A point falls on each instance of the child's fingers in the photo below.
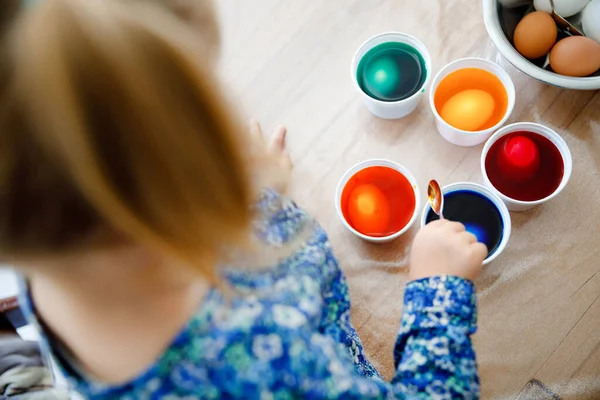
(277, 147)
(480, 251)
(286, 160)
(453, 225)
(277, 142)
(469, 237)
(256, 130)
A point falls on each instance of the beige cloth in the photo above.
(23, 373)
(30, 383)
(289, 63)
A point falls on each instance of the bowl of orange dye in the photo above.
(377, 200)
(470, 99)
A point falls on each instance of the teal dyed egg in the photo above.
(382, 77)
(391, 71)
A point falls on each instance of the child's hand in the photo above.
(444, 247)
(276, 150)
(276, 144)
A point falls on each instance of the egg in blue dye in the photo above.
(478, 231)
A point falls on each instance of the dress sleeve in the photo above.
(434, 355)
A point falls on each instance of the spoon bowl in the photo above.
(435, 197)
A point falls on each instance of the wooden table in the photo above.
(288, 61)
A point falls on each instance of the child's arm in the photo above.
(434, 355)
(433, 352)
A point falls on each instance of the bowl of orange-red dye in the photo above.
(470, 99)
(377, 200)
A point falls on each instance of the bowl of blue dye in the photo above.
(391, 72)
(482, 212)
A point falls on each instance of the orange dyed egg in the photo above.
(368, 210)
(469, 80)
(468, 110)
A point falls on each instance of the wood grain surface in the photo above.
(288, 62)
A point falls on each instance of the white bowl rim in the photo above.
(502, 209)
(426, 57)
(376, 162)
(523, 126)
(509, 109)
(492, 25)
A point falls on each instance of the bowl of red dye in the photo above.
(526, 164)
(377, 200)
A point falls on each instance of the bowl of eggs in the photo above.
(554, 41)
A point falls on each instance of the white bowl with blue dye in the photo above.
(491, 196)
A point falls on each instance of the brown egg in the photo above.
(535, 35)
(575, 56)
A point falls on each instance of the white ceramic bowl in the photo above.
(391, 109)
(468, 138)
(376, 163)
(491, 17)
(561, 145)
(504, 214)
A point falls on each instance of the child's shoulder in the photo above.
(292, 250)
(278, 220)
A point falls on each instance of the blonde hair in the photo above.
(111, 122)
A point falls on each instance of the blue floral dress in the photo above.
(288, 334)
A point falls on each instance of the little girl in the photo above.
(151, 267)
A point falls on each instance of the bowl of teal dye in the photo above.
(391, 71)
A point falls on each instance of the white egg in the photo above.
(564, 8)
(590, 19)
(543, 5)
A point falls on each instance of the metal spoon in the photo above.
(566, 26)
(435, 197)
(563, 23)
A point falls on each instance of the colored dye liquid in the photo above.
(479, 215)
(391, 71)
(395, 188)
(547, 179)
(469, 79)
